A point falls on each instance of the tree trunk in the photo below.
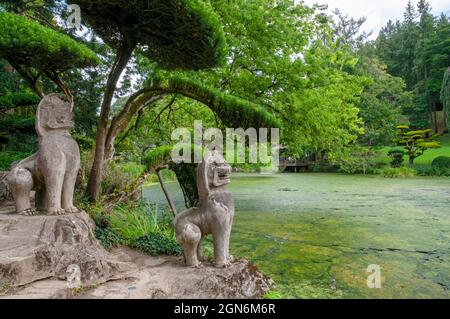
(96, 175)
(411, 160)
(166, 192)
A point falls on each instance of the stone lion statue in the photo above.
(52, 171)
(213, 214)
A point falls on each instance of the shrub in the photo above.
(358, 160)
(158, 244)
(133, 223)
(416, 142)
(402, 172)
(8, 158)
(396, 155)
(118, 176)
(140, 227)
(108, 237)
(432, 171)
(441, 162)
(166, 174)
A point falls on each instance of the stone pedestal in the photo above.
(161, 277)
(41, 247)
(36, 252)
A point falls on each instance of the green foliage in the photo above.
(85, 143)
(425, 170)
(10, 100)
(233, 111)
(441, 162)
(176, 34)
(7, 158)
(108, 237)
(357, 160)
(158, 156)
(418, 50)
(272, 294)
(132, 223)
(445, 95)
(119, 175)
(401, 172)
(382, 102)
(140, 227)
(15, 124)
(416, 142)
(187, 179)
(302, 78)
(185, 172)
(26, 43)
(156, 244)
(396, 155)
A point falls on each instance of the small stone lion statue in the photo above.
(214, 214)
(52, 171)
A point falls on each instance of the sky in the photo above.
(378, 12)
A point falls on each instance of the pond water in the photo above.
(316, 234)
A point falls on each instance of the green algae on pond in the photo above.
(316, 234)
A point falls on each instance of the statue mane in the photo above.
(54, 113)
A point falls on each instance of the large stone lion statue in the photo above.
(213, 214)
(52, 171)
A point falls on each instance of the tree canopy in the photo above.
(34, 50)
(175, 34)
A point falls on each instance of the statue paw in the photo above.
(56, 211)
(222, 264)
(198, 266)
(28, 212)
(72, 210)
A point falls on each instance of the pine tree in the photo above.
(410, 14)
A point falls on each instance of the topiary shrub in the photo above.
(396, 154)
(441, 162)
(157, 244)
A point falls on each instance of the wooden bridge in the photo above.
(295, 165)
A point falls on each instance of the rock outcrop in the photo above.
(40, 247)
(162, 278)
(36, 252)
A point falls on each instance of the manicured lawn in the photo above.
(427, 158)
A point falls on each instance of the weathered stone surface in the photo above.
(213, 215)
(40, 247)
(161, 278)
(52, 171)
(4, 191)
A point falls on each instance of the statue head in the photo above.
(213, 172)
(54, 113)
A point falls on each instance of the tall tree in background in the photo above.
(384, 96)
(416, 49)
(445, 96)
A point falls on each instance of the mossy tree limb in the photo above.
(174, 34)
